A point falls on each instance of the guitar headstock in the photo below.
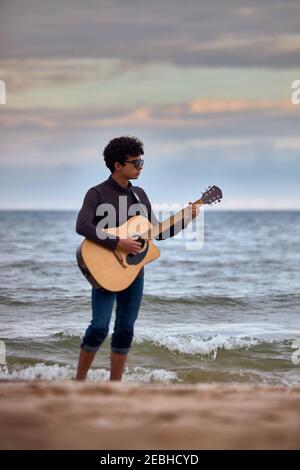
(212, 194)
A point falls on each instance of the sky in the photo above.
(206, 85)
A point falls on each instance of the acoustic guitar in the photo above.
(116, 270)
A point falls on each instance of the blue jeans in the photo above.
(128, 304)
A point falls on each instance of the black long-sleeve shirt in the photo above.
(110, 192)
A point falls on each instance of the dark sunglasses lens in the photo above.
(138, 163)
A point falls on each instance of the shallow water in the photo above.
(227, 313)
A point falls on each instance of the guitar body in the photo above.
(116, 270)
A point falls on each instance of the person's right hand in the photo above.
(130, 245)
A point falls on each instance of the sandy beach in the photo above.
(70, 415)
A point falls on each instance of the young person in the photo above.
(122, 156)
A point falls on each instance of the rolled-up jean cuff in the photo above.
(120, 350)
(88, 348)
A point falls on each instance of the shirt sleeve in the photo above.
(169, 233)
(86, 222)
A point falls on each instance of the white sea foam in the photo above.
(58, 372)
(203, 345)
(40, 371)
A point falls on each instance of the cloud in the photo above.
(54, 138)
(206, 86)
(247, 11)
(203, 115)
(194, 33)
(237, 106)
(288, 143)
(27, 74)
(261, 203)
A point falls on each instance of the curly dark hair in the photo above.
(120, 148)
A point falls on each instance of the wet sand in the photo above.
(112, 415)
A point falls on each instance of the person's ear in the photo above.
(117, 165)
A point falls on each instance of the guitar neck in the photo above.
(166, 224)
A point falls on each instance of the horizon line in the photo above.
(232, 209)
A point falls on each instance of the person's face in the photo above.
(131, 168)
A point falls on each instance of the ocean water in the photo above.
(227, 313)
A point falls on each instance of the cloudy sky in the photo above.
(205, 84)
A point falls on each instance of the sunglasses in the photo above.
(139, 162)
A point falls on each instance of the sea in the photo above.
(226, 313)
